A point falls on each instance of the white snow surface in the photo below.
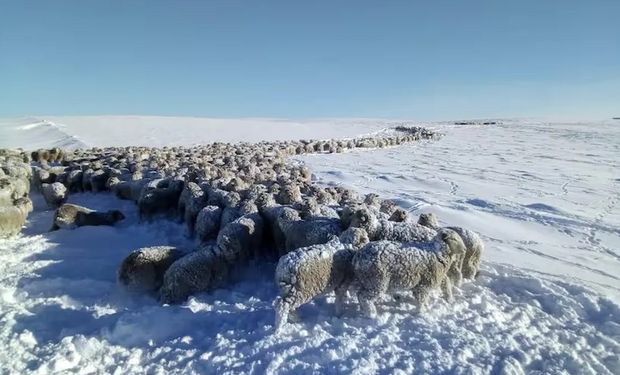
(544, 197)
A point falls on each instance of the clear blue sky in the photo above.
(409, 59)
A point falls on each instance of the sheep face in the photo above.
(429, 220)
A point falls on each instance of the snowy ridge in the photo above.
(33, 133)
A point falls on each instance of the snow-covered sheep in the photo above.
(289, 194)
(143, 269)
(192, 200)
(199, 271)
(242, 238)
(308, 272)
(301, 233)
(158, 201)
(13, 217)
(71, 216)
(383, 229)
(11, 188)
(386, 266)
(54, 194)
(473, 244)
(208, 223)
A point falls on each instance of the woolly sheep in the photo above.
(473, 244)
(143, 269)
(385, 266)
(13, 218)
(382, 229)
(54, 194)
(192, 200)
(299, 233)
(241, 239)
(308, 272)
(200, 271)
(208, 223)
(71, 216)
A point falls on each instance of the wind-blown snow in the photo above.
(543, 196)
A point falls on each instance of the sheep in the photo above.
(143, 269)
(13, 218)
(158, 201)
(382, 229)
(54, 194)
(386, 266)
(299, 233)
(308, 272)
(208, 223)
(71, 216)
(241, 239)
(200, 271)
(473, 244)
(192, 200)
(9, 191)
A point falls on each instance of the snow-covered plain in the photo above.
(543, 195)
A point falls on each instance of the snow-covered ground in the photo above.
(543, 196)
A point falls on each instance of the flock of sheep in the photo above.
(245, 201)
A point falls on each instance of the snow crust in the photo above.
(543, 197)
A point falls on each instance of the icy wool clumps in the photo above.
(470, 262)
(308, 272)
(71, 216)
(382, 229)
(55, 194)
(143, 270)
(301, 233)
(385, 266)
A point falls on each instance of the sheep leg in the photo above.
(446, 286)
(341, 296)
(282, 312)
(366, 300)
(421, 294)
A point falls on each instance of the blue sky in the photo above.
(407, 59)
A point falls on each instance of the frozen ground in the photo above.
(544, 196)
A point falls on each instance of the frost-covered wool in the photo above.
(71, 216)
(196, 272)
(12, 218)
(470, 264)
(241, 239)
(386, 266)
(54, 194)
(143, 270)
(311, 271)
(301, 233)
(383, 229)
(208, 223)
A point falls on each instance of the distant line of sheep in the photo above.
(244, 201)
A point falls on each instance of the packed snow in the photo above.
(544, 197)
